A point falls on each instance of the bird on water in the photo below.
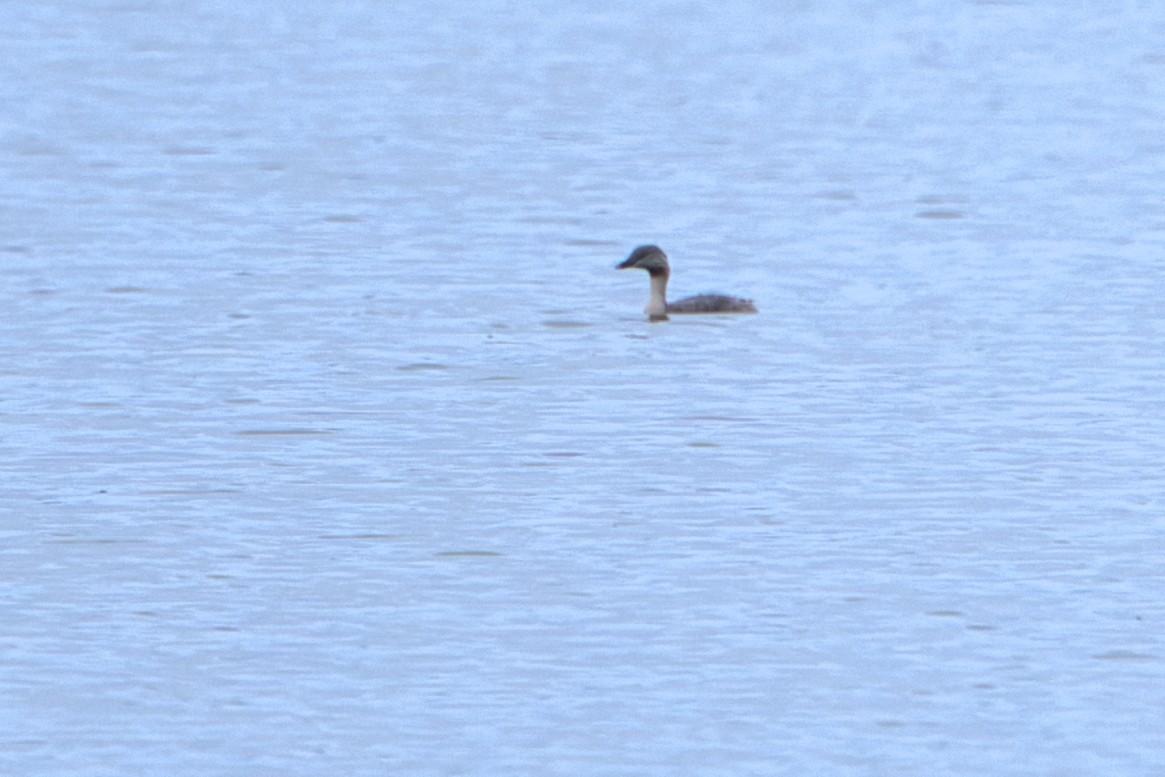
(652, 259)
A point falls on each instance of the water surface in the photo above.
(333, 444)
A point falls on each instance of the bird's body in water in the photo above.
(654, 261)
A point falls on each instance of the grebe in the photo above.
(652, 259)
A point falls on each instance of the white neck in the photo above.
(657, 304)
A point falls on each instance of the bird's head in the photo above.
(649, 258)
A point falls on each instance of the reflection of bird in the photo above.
(652, 259)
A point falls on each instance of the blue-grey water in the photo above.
(332, 443)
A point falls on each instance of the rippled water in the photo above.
(333, 444)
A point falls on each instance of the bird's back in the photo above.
(711, 303)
